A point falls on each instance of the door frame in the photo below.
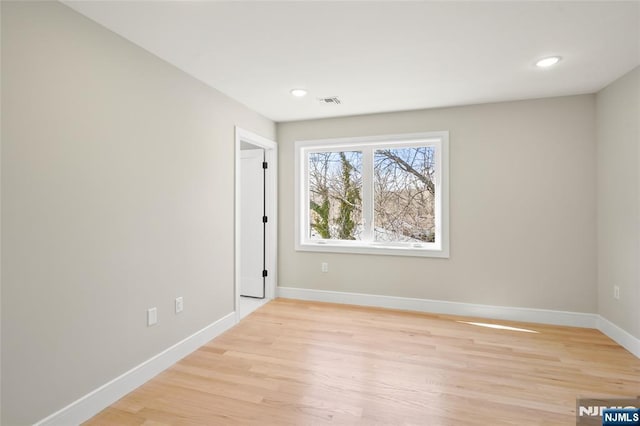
(271, 235)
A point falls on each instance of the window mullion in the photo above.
(367, 194)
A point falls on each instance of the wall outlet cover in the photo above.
(152, 316)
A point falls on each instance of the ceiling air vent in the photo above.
(333, 100)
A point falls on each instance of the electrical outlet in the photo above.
(616, 292)
(179, 304)
(152, 316)
(324, 267)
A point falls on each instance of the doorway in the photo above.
(252, 223)
(255, 221)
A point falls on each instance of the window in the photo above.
(379, 195)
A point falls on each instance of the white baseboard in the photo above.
(541, 316)
(97, 400)
(620, 336)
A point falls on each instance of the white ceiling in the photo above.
(382, 56)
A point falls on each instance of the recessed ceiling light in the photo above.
(548, 62)
(298, 92)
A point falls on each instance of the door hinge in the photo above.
(265, 165)
(264, 273)
(264, 219)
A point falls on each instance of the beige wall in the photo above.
(523, 223)
(618, 118)
(117, 196)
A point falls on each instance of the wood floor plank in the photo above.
(307, 363)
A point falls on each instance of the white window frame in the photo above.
(438, 140)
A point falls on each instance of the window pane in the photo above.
(335, 195)
(404, 194)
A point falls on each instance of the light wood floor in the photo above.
(305, 363)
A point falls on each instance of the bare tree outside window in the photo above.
(403, 200)
(386, 194)
(404, 194)
(335, 187)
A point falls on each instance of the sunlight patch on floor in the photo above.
(498, 326)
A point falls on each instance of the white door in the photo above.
(251, 225)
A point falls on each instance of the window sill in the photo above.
(375, 249)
